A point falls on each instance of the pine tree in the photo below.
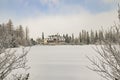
(10, 26)
(96, 37)
(92, 37)
(42, 35)
(21, 32)
(101, 36)
(72, 39)
(27, 33)
(80, 37)
(83, 36)
(20, 35)
(88, 38)
(27, 41)
(67, 38)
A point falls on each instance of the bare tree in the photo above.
(20, 77)
(107, 63)
(10, 60)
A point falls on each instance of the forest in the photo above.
(17, 36)
(88, 37)
(11, 36)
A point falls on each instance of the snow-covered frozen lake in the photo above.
(65, 62)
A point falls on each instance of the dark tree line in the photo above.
(92, 37)
(88, 37)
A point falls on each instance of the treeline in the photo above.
(89, 37)
(11, 36)
(92, 37)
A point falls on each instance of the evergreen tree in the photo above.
(42, 35)
(15, 37)
(21, 32)
(80, 37)
(92, 37)
(20, 35)
(67, 38)
(83, 36)
(76, 41)
(72, 39)
(27, 41)
(88, 38)
(101, 36)
(10, 26)
(96, 37)
(27, 33)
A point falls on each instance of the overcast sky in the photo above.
(59, 16)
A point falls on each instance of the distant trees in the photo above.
(72, 38)
(27, 39)
(16, 35)
(87, 37)
(26, 33)
(42, 35)
(67, 38)
(20, 35)
(10, 26)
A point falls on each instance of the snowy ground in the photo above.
(61, 63)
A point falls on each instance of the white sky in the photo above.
(52, 24)
(60, 16)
